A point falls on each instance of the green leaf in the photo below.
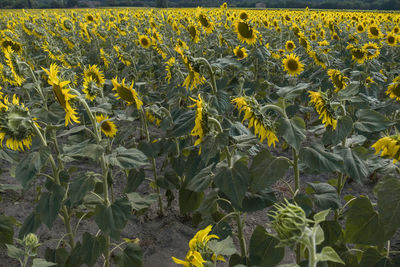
(258, 201)
(325, 196)
(139, 202)
(127, 158)
(354, 166)
(291, 92)
(42, 263)
(135, 178)
(131, 256)
(30, 225)
(332, 232)
(293, 131)
(14, 252)
(362, 225)
(81, 186)
(371, 121)
(343, 129)
(318, 159)
(151, 150)
(319, 235)
(201, 180)
(263, 250)
(6, 230)
(329, 254)
(289, 265)
(224, 247)
(388, 192)
(321, 216)
(211, 146)
(83, 150)
(266, 170)
(59, 256)
(233, 181)
(112, 220)
(30, 165)
(370, 257)
(49, 205)
(189, 201)
(183, 124)
(92, 248)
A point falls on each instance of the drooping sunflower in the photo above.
(359, 55)
(194, 33)
(262, 127)
(372, 50)
(338, 80)
(317, 59)
(8, 43)
(291, 64)
(205, 21)
(390, 147)
(62, 94)
(144, 41)
(106, 125)
(200, 128)
(391, 39)
(104, 57)
(169, 63)
(393, 90)
(193, 79)
(290, 46)
(90, 88)
(240, 52)
(11, 61)
(15, 124)
(128, 94)
(245, 32)
(96, 74)
(320, 105)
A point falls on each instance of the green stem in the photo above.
(210, 71)
(228, 153)
(275, 108)
(243, 249)
(296, 170)
(312, 262)
(388, 249)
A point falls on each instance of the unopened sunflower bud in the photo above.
(289, 223)
(31, 241)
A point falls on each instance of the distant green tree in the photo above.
(162, 3)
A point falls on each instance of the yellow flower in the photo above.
(193, 258)
(169, 63)
(360, 28)
(393, 90)
(205, 21)
(359, 55)
(199, 241)
(200, 122)
(292, 65)
(90, 88)
(245, 32)
(391, 39)
(11, 62)
(103, 56)
(290, 46)
(338, 80)
(144, 41)
(107, 127)
(374, 32)
(193, 79)
(240, 52)
(261, 129)
(372, 50)
(369, 81)
(15, 124)
(62, 94)
(126, 93)
(97, 75)
(194, 33)
(320, 106)
(389, 145)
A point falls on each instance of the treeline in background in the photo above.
(315, 4)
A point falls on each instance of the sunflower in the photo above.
(128, 94)
(169, 63)
(338, 80)
(8, 43)
(393, 90)
(292, 65)
(207, 24)
(374, 32)
(144, 41)
(11, 61)
(262, 127)
(290, 46)
(320, 105)
(240, 52)
(194, 33)
(369, 81)
(372, 50)
(121, 56)
(104, 56)
(66, 24)
(304, 42)
(107, 127)
(390, 147)
(243, 15)
(15, 124)
(245, 32)
(360, 28)
(90, 88)
(97, 75)
(201, 121)
(317, 59)
(62, 94)
(391, 39)
(193, 79)
(358, 54)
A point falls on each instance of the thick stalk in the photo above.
(312, 251)
(243, 249)
(210, 71)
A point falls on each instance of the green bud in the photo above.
(31, 241)
(289, 223)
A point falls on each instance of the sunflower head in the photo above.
(389, 146)
(245, 32)
(360, 28)
(240, 52)
(292, 64)
(207, 24)
(96, 75)
(338, 80)
(359, 55)
(243, 15)
(66, 24)
(128, 94)
(144, 41)
(391, 39)
(107, 127)
(194, 33)
(8, 43)
(372, 50)
(393, 90)
(90, 88)
(200, 128)
(290, 46)
(320, 103)
(15, 124)
(374, 32)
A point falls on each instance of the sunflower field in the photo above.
(107, 115)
